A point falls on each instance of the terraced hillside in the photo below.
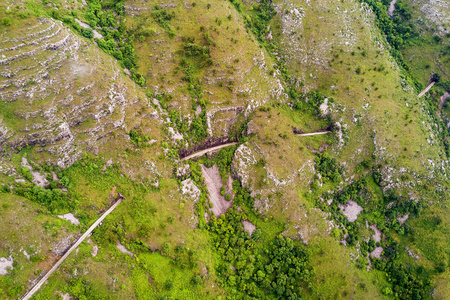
(60, 94)
(264, 149)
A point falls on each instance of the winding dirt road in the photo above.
(203, 152)
(74, 246)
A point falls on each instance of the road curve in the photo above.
(202, 152)
(74, 246)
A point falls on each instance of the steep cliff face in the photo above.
(60, 94)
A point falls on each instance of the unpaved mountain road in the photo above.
(74, 246)
(426, 89)
(203, 152)
(313, 133)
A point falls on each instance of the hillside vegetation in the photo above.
(334, 183)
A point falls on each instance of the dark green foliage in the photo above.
(222, 160)
(310, 102)
(6, 189)
(399, 32)
(328, 167)
(27, 174)
(162, 17)
(278, 268)
(6, 21)
(68, 19)
(84, 289)
(193, 58)
(406, 281)
(117, 40)
(138, 138)
(87, 32)
(54, 199)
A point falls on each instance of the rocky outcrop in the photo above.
(60, 93)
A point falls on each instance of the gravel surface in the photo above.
(214, 183)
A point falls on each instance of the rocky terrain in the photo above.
(60, 94)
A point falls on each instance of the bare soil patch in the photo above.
(214, 184)
(123, 249)
(403, 219)
(351, 210)
(377, 235)
(377, 252)
(6, 264)
(71, 218)
(249, 227)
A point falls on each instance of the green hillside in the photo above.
(264, 149)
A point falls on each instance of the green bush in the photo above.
(6, 188)
(6, 21)
(27, 174)
(275, 269)
(87, 32)
(328, 167)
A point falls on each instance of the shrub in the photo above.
(6, 188)
(6, 21)
(68, 19)
(27, 174)
(87, 32)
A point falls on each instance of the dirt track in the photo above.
(426, 89)
(203, 152)
(74, 246)
(313, 133)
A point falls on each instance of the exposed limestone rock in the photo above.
(6, 265)
(189, 188)
(351, 210)
(63, 102)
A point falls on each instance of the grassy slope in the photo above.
(332, 43)
(238, 77)
(429, 55)
(27, 227)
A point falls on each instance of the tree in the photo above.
(87, 32)
(435, 77)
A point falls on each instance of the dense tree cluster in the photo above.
(117, 40)
(253, 268)
(328, 167)
(53, 199)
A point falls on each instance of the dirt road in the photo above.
(74, 246)
(203, 152)
(313, 133)
(426, 89)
